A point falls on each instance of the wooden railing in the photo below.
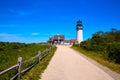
(40, 56)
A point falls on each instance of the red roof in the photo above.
(71, 41)
(67, 41)
(60, 37)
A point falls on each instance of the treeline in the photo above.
(105, 43)
(14, 45)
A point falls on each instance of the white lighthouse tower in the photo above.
(79, 29)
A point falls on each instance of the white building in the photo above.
(60, 39)
(79, 30)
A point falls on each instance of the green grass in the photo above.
(35, 73)
(100, 59)
(9, 53)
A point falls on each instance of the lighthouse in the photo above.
(79, 30)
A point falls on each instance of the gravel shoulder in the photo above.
(68, 64)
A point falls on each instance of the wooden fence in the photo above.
(40, 56)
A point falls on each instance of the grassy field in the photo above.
(99, 58)
(35, 73)
(9, 53)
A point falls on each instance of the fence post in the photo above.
(46, 51)
(19, 67)
(39, 56)
(51, 49)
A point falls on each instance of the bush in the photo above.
(113, 51)
(107, 43)
(75, 45)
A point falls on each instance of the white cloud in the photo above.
(8, 37)
(16, 25)
(21, 38)
(35, 34)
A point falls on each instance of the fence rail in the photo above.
(40, 56)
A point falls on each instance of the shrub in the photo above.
(75, 45)
(113, 51)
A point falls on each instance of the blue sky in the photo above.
(35, 20)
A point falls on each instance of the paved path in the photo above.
(67, 64)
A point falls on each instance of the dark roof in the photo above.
(79, 23)
(50, 39)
